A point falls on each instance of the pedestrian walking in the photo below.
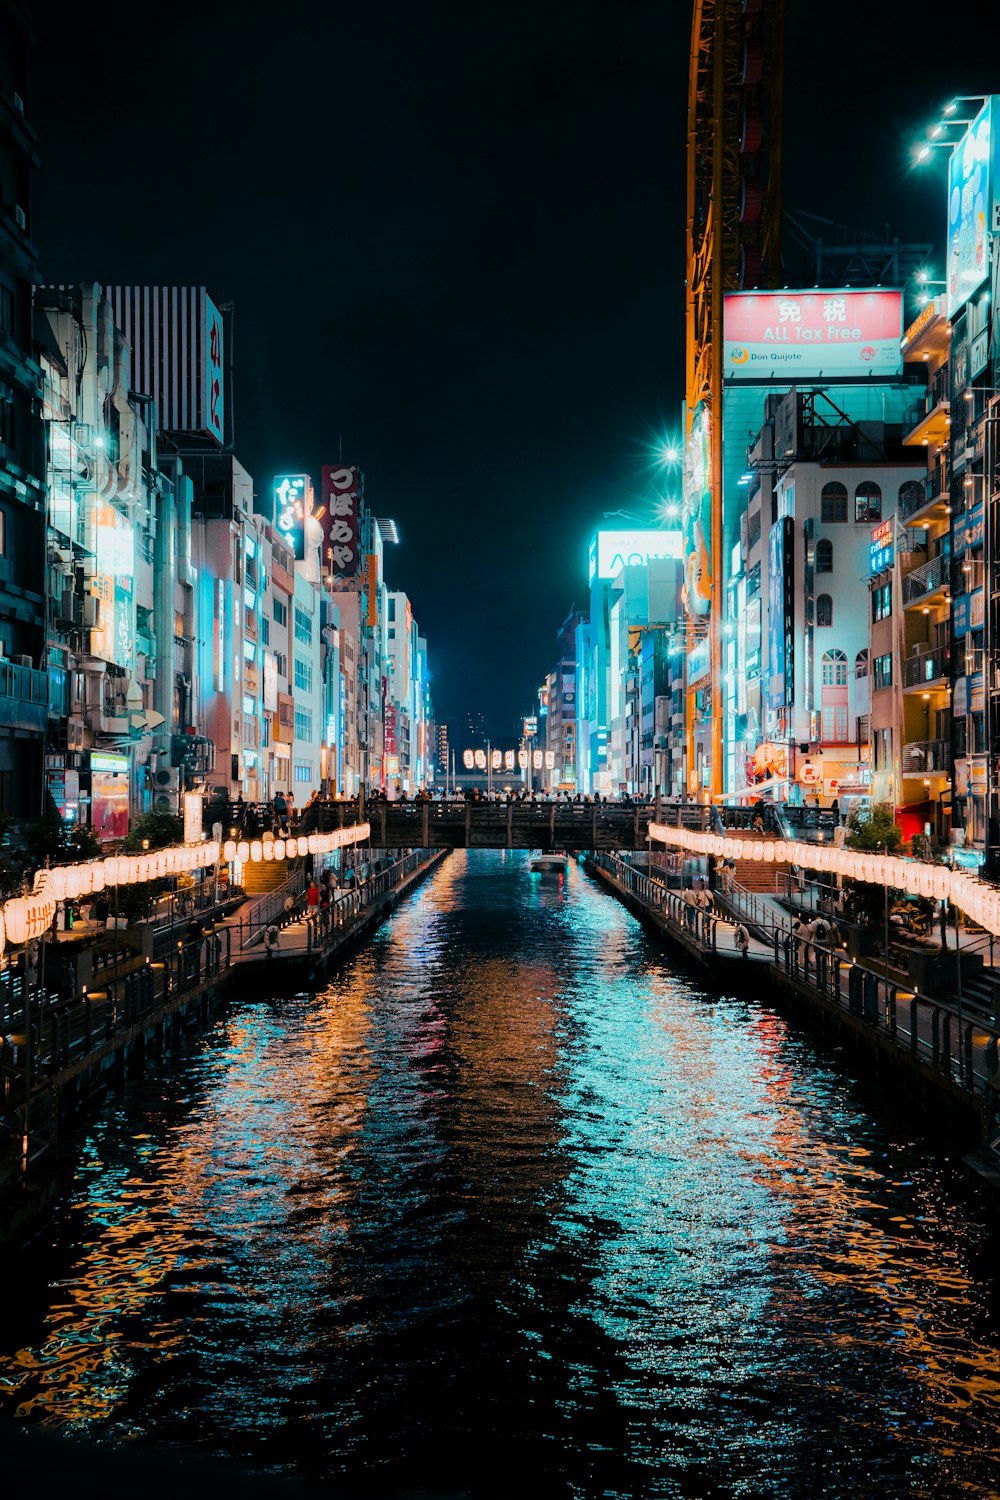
(312, 895)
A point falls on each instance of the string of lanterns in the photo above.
(26, 917)
(980, 902)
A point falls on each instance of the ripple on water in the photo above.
(513, 1196)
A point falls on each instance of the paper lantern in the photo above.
(57, 883)
(757, 852)
(229, 850)
(72, 884)
(940, 884)
(256, 851)
(267, 848)
(98, 875)
(16, 920)
(279, 848)
(243, 851)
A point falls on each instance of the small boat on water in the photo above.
(548, 864)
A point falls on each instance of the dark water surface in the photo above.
(512, 1205)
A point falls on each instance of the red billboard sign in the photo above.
(340, 518)
(811, 334)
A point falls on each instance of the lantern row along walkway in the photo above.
(935, 1048)
(57, 1048)
(25, 918)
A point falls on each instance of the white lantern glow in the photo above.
(243, 851)
(279, 848)
(256, 851)
(57, 883)
(229, 850)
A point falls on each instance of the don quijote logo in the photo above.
(868, 353)
(739, 356)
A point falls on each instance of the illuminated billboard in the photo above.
(969, 195)
(812, 335)
(696, 512)
(292, 504)
(610, 551)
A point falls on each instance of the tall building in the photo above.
(24, 681)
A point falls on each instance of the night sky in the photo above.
(454, 238)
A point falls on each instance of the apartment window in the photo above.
(834, 668)
(281, 661)
(861, 664)
(280, 613)
(835, 723)
(303, 675)
(265, 631)
(303, 626)
(868, 501)
(833, 502)
(392, 632)
(882, 671)
(6, 309)
(391, 608)
(303, 771)
(824, 610)
(882, 602)
(753, 581)
(824, 556)
(303, 724)
(911, 496)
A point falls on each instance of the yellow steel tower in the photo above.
(733, 243)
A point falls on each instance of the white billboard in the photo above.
(610, 551)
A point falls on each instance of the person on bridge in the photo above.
(312, 896)
(280, 806)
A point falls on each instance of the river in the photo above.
(514, 1201)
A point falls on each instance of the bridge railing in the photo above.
(698, 923)
(326, 921)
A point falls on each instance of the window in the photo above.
(392, 632)
(824, 610)
(6, 309)
(303, 724)
(303, 771)
(835, 723)
(868, 501)
(834, 669)
(882, 602)
(303, 676)
(833, 502)
(265, 631)
(280, 613)
(861, 664)
(303, 626)
(392, 607)
(882, 671)
(824, 556)
(753, 581)
(911, 497)
(281, 662)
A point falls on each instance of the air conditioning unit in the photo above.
(91, 612)
(20, 218)
(67, 609)
(166, 780)
(21, 661)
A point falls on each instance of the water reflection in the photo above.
(512, 1196)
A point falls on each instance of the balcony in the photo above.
(927, 669)
(929, 504)
(930, 579)
(927, 758)
(928, 421)
(24, 698)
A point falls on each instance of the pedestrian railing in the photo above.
(694, 920)
(326, 921)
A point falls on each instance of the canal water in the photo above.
(516, 1203)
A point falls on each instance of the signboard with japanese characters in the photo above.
(340, 518)
(292, 504)
(808, 335)
(880, 548)
(212, 394)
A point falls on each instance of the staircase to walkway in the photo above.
(760, 874)
(263, 875)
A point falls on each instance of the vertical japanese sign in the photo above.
(390, 727)
(780, 614)
(292, 504)
(340, 518)
(213, 419)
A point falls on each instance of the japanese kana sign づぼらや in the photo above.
(340, 517)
